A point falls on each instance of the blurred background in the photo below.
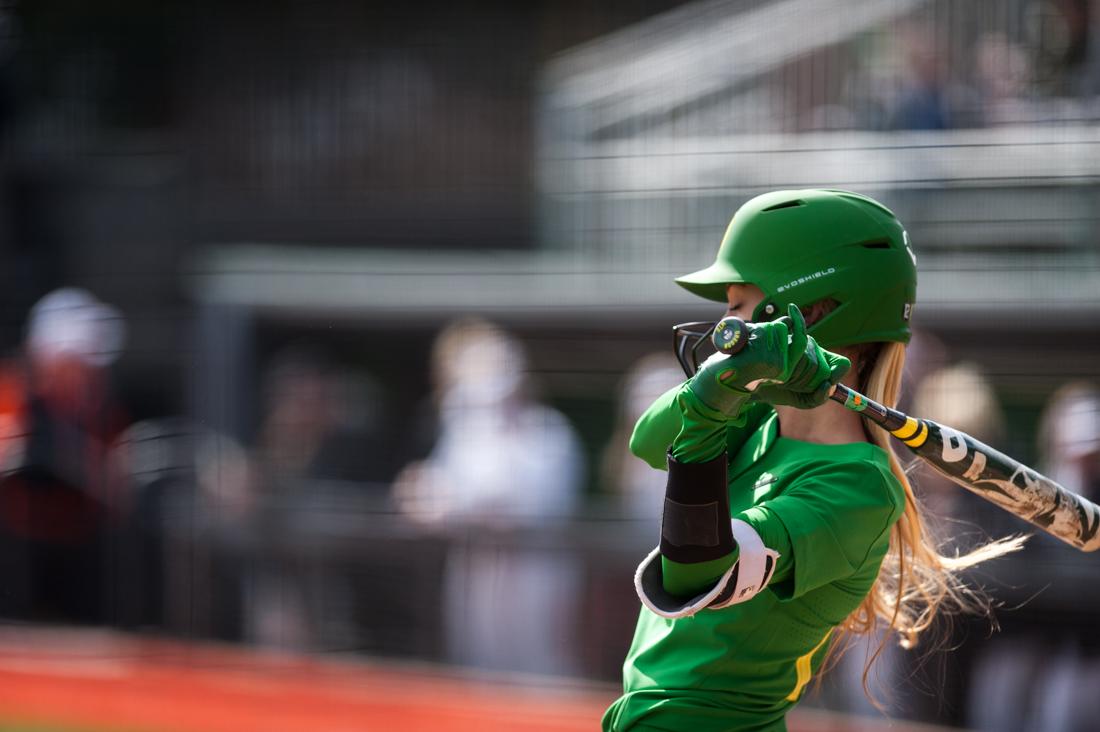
(324, 324)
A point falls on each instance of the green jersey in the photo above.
(828, 511)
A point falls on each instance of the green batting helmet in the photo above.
(804, 246)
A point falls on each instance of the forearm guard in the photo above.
(695, 525)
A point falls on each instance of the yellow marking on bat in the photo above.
(907, 430)
(803, 669)
(920, 438)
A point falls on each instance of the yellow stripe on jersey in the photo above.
(804, 670)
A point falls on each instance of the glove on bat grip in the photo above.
(696, 522)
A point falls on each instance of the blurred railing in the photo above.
(350, 574)
(991, 213)
(363, 578)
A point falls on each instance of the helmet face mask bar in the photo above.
(688, 339)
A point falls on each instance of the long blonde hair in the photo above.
(916, 583)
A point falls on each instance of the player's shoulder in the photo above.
(854, 473)
(875, 473)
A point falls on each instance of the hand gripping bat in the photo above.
(972, 464)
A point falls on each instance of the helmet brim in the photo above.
(711, 282)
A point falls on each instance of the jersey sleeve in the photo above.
(836, 518)
(658, 426)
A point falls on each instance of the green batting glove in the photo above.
(814, 373)
(716, 388)
(771, 353)
(716, 396)
(707, 408)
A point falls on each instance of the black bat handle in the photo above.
(886, 417)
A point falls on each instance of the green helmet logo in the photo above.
(805, 246)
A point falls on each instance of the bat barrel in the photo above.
(1011, 485)
(991, 474)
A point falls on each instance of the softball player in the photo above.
(784, 525)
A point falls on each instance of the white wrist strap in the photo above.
(755, 565)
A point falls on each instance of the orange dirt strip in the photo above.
(113, 682)
(102, 680)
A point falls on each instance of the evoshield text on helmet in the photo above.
(804, 246)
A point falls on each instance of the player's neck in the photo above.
(829, 424)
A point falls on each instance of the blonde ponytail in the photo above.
(915, 583)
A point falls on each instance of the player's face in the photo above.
(742, 300)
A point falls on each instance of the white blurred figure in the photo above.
(503, 461)
(640, 488)
(72, 322)
(1069, 438)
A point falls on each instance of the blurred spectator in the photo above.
(926, 354)
(922, 104)
(1002, 76)
(204, 504)
(1063, 37)
(1069, 438)
(491, 432)
(191, 490)
(1087, 78)
(59, 502)
(959, 395)
(319, 424)
(640, 488)
(501, 461)
(1045, 682)
(319, 421)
